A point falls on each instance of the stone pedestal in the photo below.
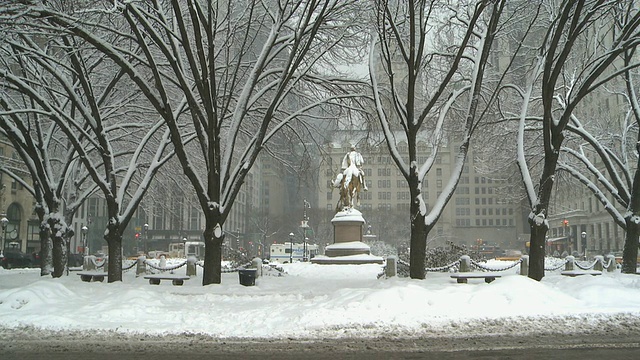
(348, 247)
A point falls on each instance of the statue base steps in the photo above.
(347, 260)
(348, 247)
(352, 252)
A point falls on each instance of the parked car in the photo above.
(13, 258)
(74, 260)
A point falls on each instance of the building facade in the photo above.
(21, 230)
(483, 208)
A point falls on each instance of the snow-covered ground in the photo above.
(322, 301)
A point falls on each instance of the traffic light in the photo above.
(137, 236)
(565, 222)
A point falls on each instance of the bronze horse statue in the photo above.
(350, 187)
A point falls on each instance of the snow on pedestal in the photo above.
(348, 247)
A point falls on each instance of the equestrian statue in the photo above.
(350, 181)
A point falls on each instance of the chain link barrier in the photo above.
(175, 267)
(558, 267)
(167, 268)
(586, 267)
(455, 264)
(610, 263)
(480, 266)
(129, 267)
(486, 268)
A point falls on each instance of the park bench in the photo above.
(574, 273)
(462, 277)
(175, 279)
(92, 276)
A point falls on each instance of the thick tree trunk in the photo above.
(46, 251)
(59, 256)
(114, 241)
(630, 251)
(418, 251)
(212, 273)
(538, 219)
(537, 250)
(59, 251)
(418, 245)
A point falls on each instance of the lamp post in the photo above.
(84, 229)
(4, 221)
(583, 235)
(146, 236)
(291, 248)
(305, 225)
(238, 239)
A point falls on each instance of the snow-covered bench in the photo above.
(462, 277)
(92, 276)
(175, 279)
(574, 273)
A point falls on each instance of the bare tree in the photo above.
(569, 27)
(426, 87)
(228, 74)
(57, 183)
(102, 118)
(613, 179)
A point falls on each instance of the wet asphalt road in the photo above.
(194, 347)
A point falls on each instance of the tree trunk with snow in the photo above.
(419, 231)
(632, 219)
(213, 241)
(46, 250)
(59, 251)
(113, 237)
(630, 249)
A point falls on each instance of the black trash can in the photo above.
(247, 277)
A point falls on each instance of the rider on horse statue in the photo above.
(351, 166)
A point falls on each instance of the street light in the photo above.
(584, 244)
(305, 224)
(291, 248)
(4, 221)
(84, 229)
(146, 236)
